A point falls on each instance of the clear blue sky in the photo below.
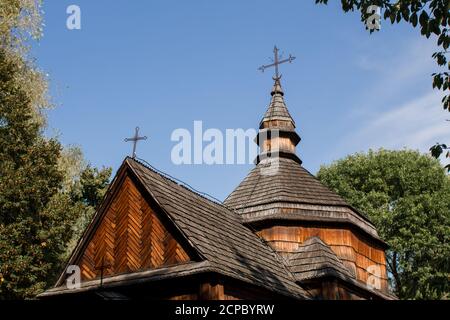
(161, 65)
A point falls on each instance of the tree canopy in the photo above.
(407, 196)
(47, 192)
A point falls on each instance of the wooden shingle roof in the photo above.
(315, 259)
(287, 181)
(278, 185)
(218, 235)
(277, 109)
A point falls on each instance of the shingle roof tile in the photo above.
(288, 182)
(219, 234)
(315, 259)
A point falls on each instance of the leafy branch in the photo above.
(433, 18)
(438, 149)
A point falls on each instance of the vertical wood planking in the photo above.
(356, 253)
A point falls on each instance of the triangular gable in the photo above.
(315, 259)
(129, 233)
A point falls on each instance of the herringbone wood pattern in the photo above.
(129, 238)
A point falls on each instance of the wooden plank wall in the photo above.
(334, 290)
(130, 237)
(212, 287)
(243, 293)
(236, 290)
(184, 297)
(211, 291)
(278, 143)
(355, 252)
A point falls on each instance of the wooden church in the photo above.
(280, 234)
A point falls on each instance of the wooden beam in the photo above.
(211, 290)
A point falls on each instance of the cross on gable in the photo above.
(276, 62)
(102, 269)
(135, 140)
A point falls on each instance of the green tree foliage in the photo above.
(86, 193)
(407, 196)
(20, 23)
(47, 193)
(29, 177)
(432, 17)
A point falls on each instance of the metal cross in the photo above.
(135, 140)
(102, 268)
(276, 62)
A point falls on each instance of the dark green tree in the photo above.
(94, 183)
(44, 205)
(47, 193)
(29, 177)
(407, 196)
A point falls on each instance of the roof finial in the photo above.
(277, 60)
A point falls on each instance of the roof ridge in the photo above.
(179, 182)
